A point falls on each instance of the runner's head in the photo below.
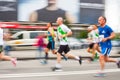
(102, 20)
(90, 28)
(95, 27)
(59, 20)
(49, 24)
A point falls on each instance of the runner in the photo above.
(2, 56)
(51, 42)
(93, 39)
(63, 32)
(106, 33)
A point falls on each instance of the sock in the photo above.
(77, 58)
(12, 59)
(96, 56)
(46, 56)
(58, 65)
(117, 61)
(101, 71)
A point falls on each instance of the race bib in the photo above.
(101, 37)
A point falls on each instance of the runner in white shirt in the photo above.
(63, 31)
(93, 38)
(2, 56)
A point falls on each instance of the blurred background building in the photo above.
(90, 10)
(112, 10)
(15, 17)
(8, 10)
(84, 11)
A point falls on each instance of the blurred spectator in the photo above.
(50, 13)
(40, 45)
(40, 42)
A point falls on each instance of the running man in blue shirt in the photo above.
(105, 34)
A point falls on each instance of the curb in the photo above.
(54, 58)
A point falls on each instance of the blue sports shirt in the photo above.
(50, 38)
(106, 32)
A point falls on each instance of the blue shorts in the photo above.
(105, 51)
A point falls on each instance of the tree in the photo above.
(82, 34)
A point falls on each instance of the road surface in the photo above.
(72, 70)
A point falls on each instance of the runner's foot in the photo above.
(100, 74)
(43, 62)
(80, 60)
(56, 69)
(14, 61)
(118, 64)
(64, 57)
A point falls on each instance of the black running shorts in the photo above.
(63, 48)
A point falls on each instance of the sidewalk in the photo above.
(33, 54)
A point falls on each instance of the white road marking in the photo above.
(46, 74)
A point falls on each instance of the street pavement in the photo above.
(29, 67)
(72, 70)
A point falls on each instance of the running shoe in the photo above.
(14, 61)
(43, 62)
(118, 64)
(80, 60)
(91, 59)
(56, 69)
(100, 74)
(64, 57)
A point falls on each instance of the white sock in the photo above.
(58, 65)
(12, 59)
(77, 58)
(117, 61)
(101, 71)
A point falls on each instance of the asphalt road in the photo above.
(72, 70)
